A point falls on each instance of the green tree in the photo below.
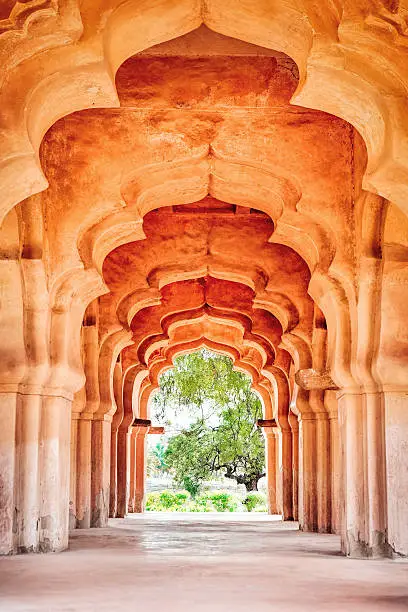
(156, 460)
(159, 451)
(223, 438)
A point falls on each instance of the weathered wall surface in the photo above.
(175, 175)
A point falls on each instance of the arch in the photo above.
(186, 347)
(331, 45)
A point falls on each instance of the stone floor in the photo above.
(200, 563)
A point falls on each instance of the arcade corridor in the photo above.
(178, 175)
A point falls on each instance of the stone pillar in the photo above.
(140, 471)
(8, 403)
(323, 479)
(361, 401)
(35, 404)
(116, 421)
(362, 425)
(353, 468)
(83, 484)
(335, 461)
(132, 471)
(113, 489)
(73, 471)
(280, 408)
(124, 443)
(110, 404)
(316, 401)
(27, 501)
(375, 466)
(294, 426)
(278, 470)
(41, 495)
(100, 461)
(33, 422)
(54, 473)
(271, 461)
(327, 454)
(285, 456)
(78, 406)
(307, 473)
(396, 437)
(90, 343)
(392, 370)
(35, 480)
(7, 470)
(361, 407)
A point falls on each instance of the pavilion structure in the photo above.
(185, 173)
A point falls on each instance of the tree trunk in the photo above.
(251, 485)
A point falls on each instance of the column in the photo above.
(116, 421)
(396, 437)
(54, 473)
(285, 455)
(124, 444)
(113, 490)
(392, 368)
(335, 461)
(307, 473)
(73, 470)
(323, 480)
(316, 401)
(361, 423)
(100, 461)
(278, 469)
(294, 426)
(140, 471)
(361, 401)
(353, 446)
(90, 343)
(12, 367)
(376, 475)
(271, 461)
(83, 485)
(132, 475)
(316, 484)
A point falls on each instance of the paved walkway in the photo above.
(185, 563)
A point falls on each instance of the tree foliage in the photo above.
(223, 438)
(157, 460)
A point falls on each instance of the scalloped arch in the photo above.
(342, 51)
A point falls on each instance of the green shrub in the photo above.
(181, 501)
(195, 506)
(203, 503)
(216, 502)
(191, 485)
(224, 502)
(254, 500)
(261, 509)
(167, 501)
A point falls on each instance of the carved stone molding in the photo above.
(310, 379)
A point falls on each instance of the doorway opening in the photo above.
(211, 456)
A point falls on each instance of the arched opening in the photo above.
(211, 457)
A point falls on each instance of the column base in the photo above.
(357, 549)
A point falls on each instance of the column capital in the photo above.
(144, 426)
(311, 379)
(142, 423)
(266, 423)
(157, 431)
